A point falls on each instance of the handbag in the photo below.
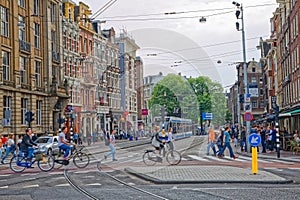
(106, 141)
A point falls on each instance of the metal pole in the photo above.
(238, 101)
(277, 131)
(245, 76)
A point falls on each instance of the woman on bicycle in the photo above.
(157, 141)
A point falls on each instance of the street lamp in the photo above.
(239, 15)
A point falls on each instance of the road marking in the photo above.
(5, 175)
(3, 180)
(281, 161)
(94, 184)
(217, 159)
(30, 186)
(56, 173)
(250, 159)
(30, 174)
(89, 177)
(63, 185)
(4, 187)
(81, 172)
(197, 158)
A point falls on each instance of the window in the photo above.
(21, 3)
(37, 67)
(253, 80)
(6, 106)
(52, 12)
(36, 7)
(6, 66)
(38, 112)
(70, 14)
(254, 103)
(253, 69)
(23, 70)
(53, 41)
(262, 104)
(261, 91)
(37, 35)
(4, 21)
(22, 26)
(24, 104)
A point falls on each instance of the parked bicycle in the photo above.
(150, 157)
(19, 162)
(80, 159)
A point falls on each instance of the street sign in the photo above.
(248, 116)
(207, 116)
(247, 107)
(144, 111)
(247, 98)
(254, 140)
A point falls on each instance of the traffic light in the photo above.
(29, 116)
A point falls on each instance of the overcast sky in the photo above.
(184, 44)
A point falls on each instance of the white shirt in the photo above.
(63, 136)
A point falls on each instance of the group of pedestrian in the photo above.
(222, 140)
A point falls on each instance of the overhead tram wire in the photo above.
(112, 18)
(104, 8)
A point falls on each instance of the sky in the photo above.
(183, 44)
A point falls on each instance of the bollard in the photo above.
(254, 160)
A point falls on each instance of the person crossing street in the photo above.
(226, 144)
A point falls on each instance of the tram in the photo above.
(181, 127)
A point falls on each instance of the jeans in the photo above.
(226, 144)
(112, 151)
(30, 152)
(0, 152)
(66, 148)
(211, 145)
(8, 150)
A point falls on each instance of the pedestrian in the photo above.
(11, 147)
(220, 140)
(170, 139)
(19, 142)
(226, 144)
(112, 146)
(211, 141)
(263, 140)
(76, 138)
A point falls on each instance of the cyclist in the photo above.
(63, 143)
(157, 139)
(27, 145)
(170, 138)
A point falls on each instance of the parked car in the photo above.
(50, 143)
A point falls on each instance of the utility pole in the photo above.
(240, 15)
(238, 100)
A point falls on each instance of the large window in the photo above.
(24, 105)
(23, 69)
(36, 7)
(4, 21)
(6, 106)
(37, 66)
(5, 66)
(37, 35)
(22, 25)
(21, 3)
(52, 12)
(38, 112)
(254, 103)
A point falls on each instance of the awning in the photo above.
(289, 114)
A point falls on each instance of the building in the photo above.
(30, 76)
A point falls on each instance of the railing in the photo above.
(24, 46)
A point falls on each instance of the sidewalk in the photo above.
(204, 174)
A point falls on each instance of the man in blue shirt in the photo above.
(226, 143)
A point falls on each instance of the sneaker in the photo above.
(2, 162)
(66, 158)
(115, 160)
(220, 157)
(235, 157)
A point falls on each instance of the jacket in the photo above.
(27, 142)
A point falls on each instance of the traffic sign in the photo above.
(254, 140)
(248, 116)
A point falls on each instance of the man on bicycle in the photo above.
(157, 140)
(27, 145)
(63, 143)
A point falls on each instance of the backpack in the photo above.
(106, 140)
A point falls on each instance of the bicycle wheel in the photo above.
(81, 160)
(149, 158)
(47, 163)
(17, 164)
(173, 157)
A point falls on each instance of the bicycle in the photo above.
(80, 159)
(19, 162)
(150, 157)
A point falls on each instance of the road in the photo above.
(34, 184)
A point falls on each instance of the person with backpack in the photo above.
(226, 144)
(112, 146)
(220, 140)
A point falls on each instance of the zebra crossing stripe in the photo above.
(198, 158)
(249, 159)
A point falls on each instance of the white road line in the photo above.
(4, 187)
(5, 175)
(63, 185)
(281, 161)
(81, 172)
(197, 158)
(3, 180)
(30, 186)
(56, 173)
(217, 159)
(30, 174)
(94, 184)
(250, 159)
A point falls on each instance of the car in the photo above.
(50, 143)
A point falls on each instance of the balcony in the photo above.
(55, 56)
(24, 46)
